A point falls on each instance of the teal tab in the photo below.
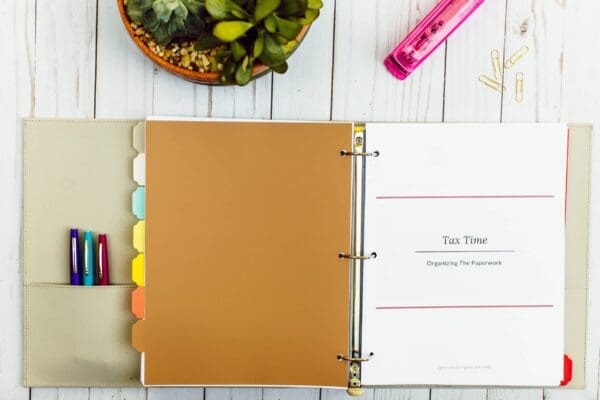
(138, 202)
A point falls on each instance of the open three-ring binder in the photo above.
(324, 254)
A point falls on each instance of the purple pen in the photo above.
(428, 35)
(74, 258)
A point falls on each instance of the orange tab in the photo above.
(137, 302)
(137, 335)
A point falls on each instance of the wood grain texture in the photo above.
(459, 394)
(540, 26)
(17, 44)
(176, 393)
(468, 56)
(290, 394)
(234, 394)
(363, 90)
(65, 58)
(115, 394)
(124, 77)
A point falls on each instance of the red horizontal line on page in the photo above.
(465, 306)
(516, 196)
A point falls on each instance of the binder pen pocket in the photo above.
(79, 336)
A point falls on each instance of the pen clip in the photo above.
(86, 260)
(74, 255)
(100, 261)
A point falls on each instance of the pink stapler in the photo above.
(432, 31)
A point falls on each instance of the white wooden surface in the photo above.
(72, 58)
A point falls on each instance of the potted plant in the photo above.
(219, 41)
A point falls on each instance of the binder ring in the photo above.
(360, 153)
(351, 257)
(342, 357)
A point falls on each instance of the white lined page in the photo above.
(468, 225)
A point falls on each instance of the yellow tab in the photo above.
(139, 236)
(137, 269)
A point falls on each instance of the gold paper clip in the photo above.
(520, 87)
(492, 83)
(516, 57)
(496, 65)
(360, 153)
(351, 257)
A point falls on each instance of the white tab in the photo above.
(139, 169)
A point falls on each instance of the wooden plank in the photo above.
(340, 394)
(173, 95)
(305, 90)
(234, 393)
(569, 394)
(17, 44)
(363, 90)
(60, 393)
(540, 26)
(115, 394)
(290, 394)
(65, 58)
(515, 394)
(124, 76)
(251, 101)
(176, 393)
(402, 394)
(459, 394)
(468, 56)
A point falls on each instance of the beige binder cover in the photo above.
(78, 173)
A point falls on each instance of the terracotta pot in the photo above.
(207, 78)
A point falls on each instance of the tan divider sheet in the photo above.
(244, 223)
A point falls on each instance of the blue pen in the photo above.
(88, 259)
(74, 258)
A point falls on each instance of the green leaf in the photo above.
(177, 27)
(228, 31)
(243, 73)
(280, 39)
(161, 34)
(293, 8)
(207, 41)
(259, 44)
(240, 13)
(315, 4)
(195, 25)
(219, 9)
(281, 68)
(289, 46)
(270, 24)
(265, 8)
(194, 6)
(288, 28)
(164, 9)
(272, 54)
(150, 21)
(238, 51)
(309, 17)
(137, 8)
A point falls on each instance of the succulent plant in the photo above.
(263, 30)
(169, 19)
